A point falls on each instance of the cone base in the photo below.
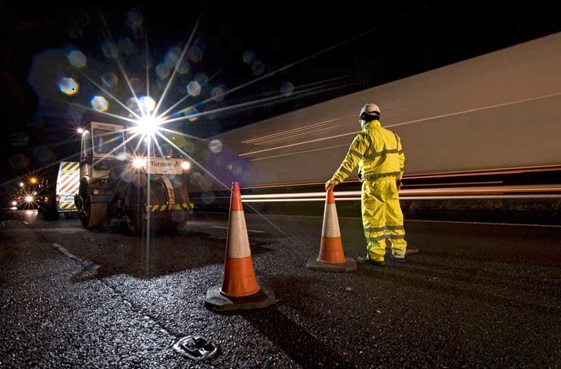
(348, 266)
(216, 301)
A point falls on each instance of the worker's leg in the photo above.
(394, 219)
(373, 220)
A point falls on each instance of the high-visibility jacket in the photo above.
(378, 153)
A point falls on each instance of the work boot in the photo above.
(398, 260)
(366, 260)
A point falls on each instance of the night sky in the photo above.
(286, 55)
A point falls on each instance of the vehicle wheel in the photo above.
(92, 215)
(98, 215)
(84, 209)
(52, 213)
(135, 213)
(176, 219)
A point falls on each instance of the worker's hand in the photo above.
(329, 185)
(399, 184)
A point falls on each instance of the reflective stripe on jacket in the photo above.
(378, 153)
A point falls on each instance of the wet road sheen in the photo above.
(474, 296)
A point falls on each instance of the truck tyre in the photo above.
(91, 215)
(135, 212)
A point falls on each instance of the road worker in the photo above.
(378, 153)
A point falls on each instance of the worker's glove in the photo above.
(329, 185)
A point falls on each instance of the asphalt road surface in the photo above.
(474, 296)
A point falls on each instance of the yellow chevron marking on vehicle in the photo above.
(170, 207)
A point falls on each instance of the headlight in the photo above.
(186, 165)
(139, 163)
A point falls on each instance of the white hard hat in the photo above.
(369, 112)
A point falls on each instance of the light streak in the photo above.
(162, 98)
(500, 171)
(453, 184)
(290, 132)
(253, 103)
(477, 109)
(298, 144)
(436, 117)
(499, 192)
(464, 197)
(299, 152)
(321, 52)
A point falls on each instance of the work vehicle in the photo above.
(57, 188)
(118, 180)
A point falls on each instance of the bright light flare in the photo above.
(215, 146)
(110, 80)
(186, 165)
(77, 59)
(99, 103)
(33, 180)
(80, 131)
(28, 198)
(14, 203)
(68, 86)
(139, 163)
(147, 126)
(146, 104)
(194, 88)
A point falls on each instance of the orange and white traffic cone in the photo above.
(239, 289)
(331, 257)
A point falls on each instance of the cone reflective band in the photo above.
(239, 278)
(331, 257)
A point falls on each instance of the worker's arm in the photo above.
(401, 158)
(401, 162)
(356, 151)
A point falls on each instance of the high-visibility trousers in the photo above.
(382, 218)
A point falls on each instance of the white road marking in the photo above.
(66, 252)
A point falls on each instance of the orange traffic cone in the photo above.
(331, 256)
(239, 288)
